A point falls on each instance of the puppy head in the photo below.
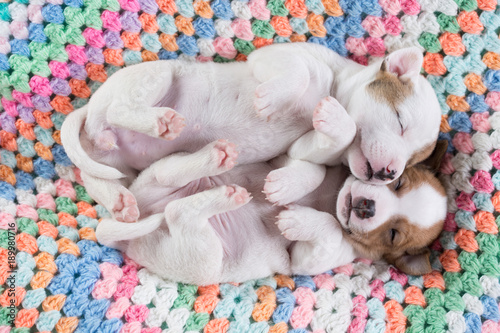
(397, 115)
(397, 221)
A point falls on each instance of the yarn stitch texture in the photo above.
(55, 53)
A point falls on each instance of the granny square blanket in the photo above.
(55, 277)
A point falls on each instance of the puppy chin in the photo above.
(344, 202)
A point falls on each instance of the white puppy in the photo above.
(147, 111)
(201, 229)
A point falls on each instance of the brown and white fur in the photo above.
(200, 228)
(147, 111)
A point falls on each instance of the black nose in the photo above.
(364, 208)
(385, 174)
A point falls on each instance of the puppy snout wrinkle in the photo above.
(364, 208)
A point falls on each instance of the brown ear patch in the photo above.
(433, 162)
(377, 244)
(415, 177)
(413, 262)
(421, 155)
(388, 88)
(409, 252)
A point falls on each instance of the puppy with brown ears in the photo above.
(396, 222)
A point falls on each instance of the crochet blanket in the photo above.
(55, 277)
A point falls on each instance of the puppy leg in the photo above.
(331, 119)
(284, 81)
(318, 256)
(158, 122)
(301, 173)
(177, 170)
(205, 204)
(293, 180)
(128, 97)
(111, 194)
(300, 223)
(111, 233)
(334, 130)
(319, 246)
(194, 251)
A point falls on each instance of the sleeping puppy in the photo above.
(201, 229)
(395, 222)
(148, 111)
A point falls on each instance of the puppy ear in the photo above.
(433, 162)
(414, 264)
(404, 63)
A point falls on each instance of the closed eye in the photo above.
(393, 235)
(401, 126)
(403, 129)
(398, 184)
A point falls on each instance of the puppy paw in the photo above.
(237, 195)
(125, 208)
(225, 154)
(280, 187)
(266, 101)
(302, 223)
(170, 125)
(291, 223)
(330, 118)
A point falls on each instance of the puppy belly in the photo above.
(252, 248)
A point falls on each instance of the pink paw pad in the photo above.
(329, 115)
(226, 154)
(239, 194)
(278, 187)
(125, 209)
(171, 125)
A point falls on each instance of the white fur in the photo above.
(430, 205)
(201, 229)
(284, 83)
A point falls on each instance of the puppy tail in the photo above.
(110, 231)
(70, 138)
